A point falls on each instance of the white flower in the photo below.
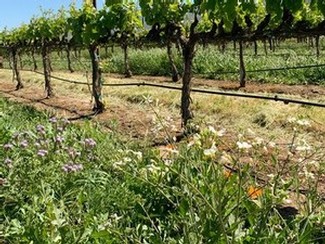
(225, 158)
(195, 141)
(303, 147)
(153, 168)
(250, 132)
(258, 141)
(127, 159)
(271, 176)
(212, 129)
(118, 164)
(137, 154)
(211, 151)
(221, 132)
(303, 122)
(243, 145)
(292, 120)
(168, 162)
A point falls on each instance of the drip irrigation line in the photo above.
(272, 69)
(231, 94)
(211, 92)
(63, 79)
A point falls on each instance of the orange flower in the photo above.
(254, 192)
(168, 150)
(227, 174)
(170, 147)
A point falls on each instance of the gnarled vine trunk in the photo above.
(34, 60)
(127, 70)
(16, 71)
(242, 71)
(10, 60)
(174, 70)
(188, 55)
(96, 79)
(47, 70)
(21, 63)
(50, 62)
(69, 59)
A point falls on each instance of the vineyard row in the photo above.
(183, 24)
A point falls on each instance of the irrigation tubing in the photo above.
(211, 92)
(197, 90)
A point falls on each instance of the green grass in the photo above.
(210, 62)
(123, 193)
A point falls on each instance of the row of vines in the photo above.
(182, 23)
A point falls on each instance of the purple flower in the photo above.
(8, 161)
(73, 153)
(59, 139)
(53, 120)
(7, 146)
(24, 144)
(40, 129)
(89, 142)
(71, 167)
(42, 153)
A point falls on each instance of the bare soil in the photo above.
(134, 123)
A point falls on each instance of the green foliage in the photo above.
(85, 25)
(50, 27)
(164, 11)
(88, 26)
(120, 194)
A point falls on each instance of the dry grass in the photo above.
(265, 118)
